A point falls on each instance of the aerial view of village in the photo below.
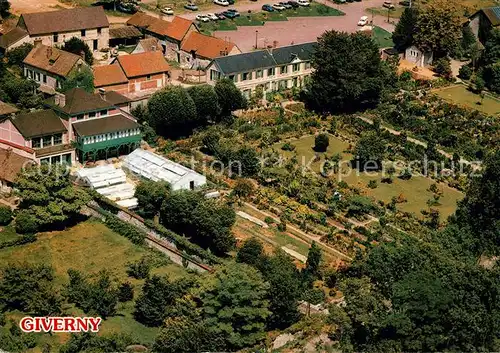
(296, 176)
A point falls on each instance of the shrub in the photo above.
(139, 269)
(282, 226)
(288, 147)
(126, 292)
(5, 215)
(465, 72)
(321, 143)
(372, 184)
(442, 67)
(26, 223)
(269, 220)
(244, 188)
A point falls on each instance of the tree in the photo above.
(48, 197)
(91, 342)
(158, 293)
(321, 142)
(125, 292)
(251, 253)
(139, 269)
(172, 112)
(183, 335)
(442, 67)
(465, 72)
(234, 305)
(20, 91)
(82, 77)
(492, 77)
(4, 8)
(206, 101)
(97, 296)
(403, 33)
(79, 47)
(229, 96)
(284, 293)
(16, 56)
(468, 41)
(348, 73)
(312, 270)
(492, 48)
(5, 215)
(29, 288)
(150, 196)
(369, 151)
(244, 188)
(438, 27)
(245, 162)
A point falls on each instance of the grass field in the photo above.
(461, 96)
(91, 247)
(314, 9)
(382, 37)
(382, 11)
(415, 190)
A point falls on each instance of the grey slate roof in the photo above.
(39, 123)
(264, 58)
(12, 37)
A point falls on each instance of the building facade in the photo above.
(419, 57)
(271, 70)
(483, 21)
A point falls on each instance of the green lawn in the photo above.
(210, 27)
(314, 10)
(382, 11)
(414, 190)
(382, 37)
(90, 247)
(461, 96)
(259, 18)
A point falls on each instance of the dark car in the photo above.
(235, 12)
(231, 14)
(285, 4)
(293, 4)
(220, 16)
(267, 8)
(191, 7)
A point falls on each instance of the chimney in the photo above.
(60, 99)
(102, 93)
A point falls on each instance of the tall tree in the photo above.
(348, 73)
(172, 111)
(251, 253)
(369, 151)
(492, 48)
(206, 101)
(403, 33)
(79, 47)
(82, 78)
(312, 271)
(150, 196)
(48, 197)
(234, 305)
(16, 56)
(229, 96)
(438, 27)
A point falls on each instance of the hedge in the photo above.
(123, 228)
(24, 239)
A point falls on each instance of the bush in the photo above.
(139, 269)
(321, 143)
(126, 292)
(5, 215)
(442, 67)
(128, 231)
(372, 184)
(26, 223)
(288, 147)
(269, 220)
(465, 72)
(244, 188)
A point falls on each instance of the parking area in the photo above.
(302, 29)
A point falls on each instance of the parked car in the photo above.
(278, 7)
(127, 7)
(267, 8)
(202, 18)
(231, 14)
(220, 16)
(167, 11)
(303, 2)
(221, 2)
(363, 21)
(191, 7)
(236, 13)
(285, 5)
(293, 4)
(388, 5)
(212, 16)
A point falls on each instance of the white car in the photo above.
(303, 2)
(363, 21)
(221, 2)
(202, 18)
(279, 7)
(212, 17)
(167, 11)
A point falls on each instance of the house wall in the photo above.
(474, 24)
(90, 36)
(8, 132)
(142, 83)
(43, 78)
(20, 42)
(121, 88)
(172, 48)
(267, 81)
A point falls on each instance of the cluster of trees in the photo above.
(240, 160)
(349, 74)
(176, 111)
(432, 295)
(206, 222)
(48, 198)
(4, 8)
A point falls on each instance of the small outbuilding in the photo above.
(421, 58)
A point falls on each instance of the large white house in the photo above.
(271, 69)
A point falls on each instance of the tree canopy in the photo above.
(206, 101)
(348, 73)
(150, 196)
(78, 46)
(404, 31)
(229, 96)
(369, 151)
(82, 78)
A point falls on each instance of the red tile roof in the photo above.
(176, 29)
(143, 64)
(108, 75)
(206, 46)
(11, 164)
